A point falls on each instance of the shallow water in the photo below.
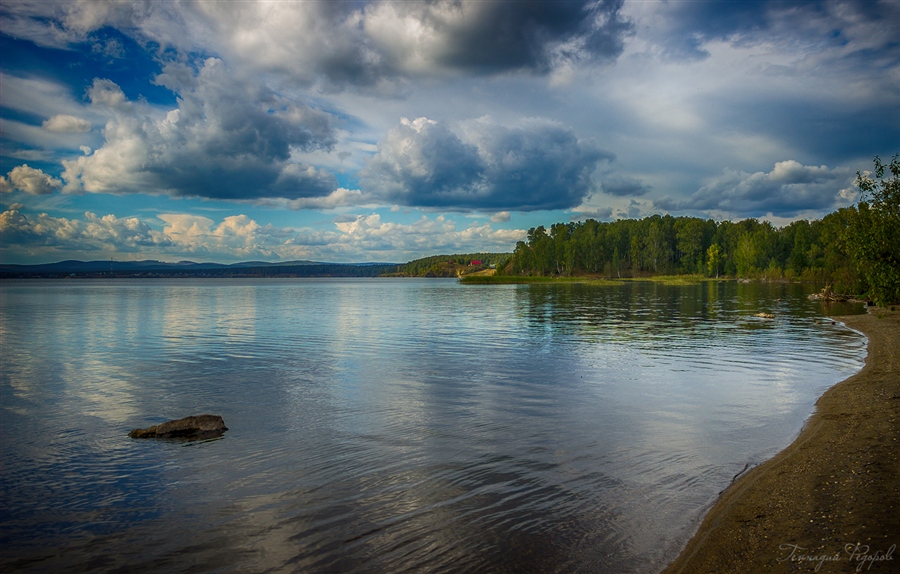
(392, 425)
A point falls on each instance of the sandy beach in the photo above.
(830, 502)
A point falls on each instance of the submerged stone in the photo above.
(190, 428)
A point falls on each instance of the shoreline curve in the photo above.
(830, 501)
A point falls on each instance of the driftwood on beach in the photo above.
(191, 428)
(827, 294)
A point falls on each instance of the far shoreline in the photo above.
(830, 501)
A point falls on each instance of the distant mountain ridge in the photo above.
(153, 268)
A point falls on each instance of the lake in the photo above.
(392, 425)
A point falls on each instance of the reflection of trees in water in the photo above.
(642, 311)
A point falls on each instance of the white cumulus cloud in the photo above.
(538, 164)
(426, 236)
(500, 217)
(226, 140)
(240, 237)
(789, 188)
(30, 180)
(64, 123)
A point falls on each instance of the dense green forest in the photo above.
(449, 265)
(855, 249)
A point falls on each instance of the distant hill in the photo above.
(451, 265)
(151, 268)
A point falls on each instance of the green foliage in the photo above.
(856, 249)
(745, 255)
(713, 260)
(689, 236)
(874, 232)
(446, 265)
(529, 279)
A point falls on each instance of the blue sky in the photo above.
(385, 131)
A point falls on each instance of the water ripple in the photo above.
(391, 426)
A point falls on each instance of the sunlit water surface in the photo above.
(392, 425)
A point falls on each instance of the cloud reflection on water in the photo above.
(386, 425)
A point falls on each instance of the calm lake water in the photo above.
(392, 425)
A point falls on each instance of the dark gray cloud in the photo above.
(226, 140)
(825, 130)
(622, 186)
(789, 189)
(689, 26)
(538, 165)
(340, 44)
(378, 45)
(692, 24)
(601, 214)
(519, 34)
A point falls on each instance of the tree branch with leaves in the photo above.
(874, 235)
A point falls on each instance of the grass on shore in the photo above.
(529, 279)
(673, 279)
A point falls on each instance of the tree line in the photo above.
(855, 249)
(445, 265)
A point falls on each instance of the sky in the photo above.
(380, 131)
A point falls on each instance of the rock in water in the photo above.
(190, 428)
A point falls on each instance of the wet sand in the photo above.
(830, 502)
